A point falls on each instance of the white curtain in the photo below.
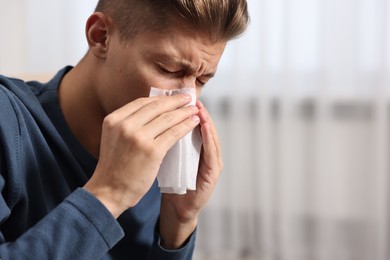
(301, 102)
(39, 37)
(302, 106)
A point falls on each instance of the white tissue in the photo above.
(179, 168)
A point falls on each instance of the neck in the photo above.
(80, 104)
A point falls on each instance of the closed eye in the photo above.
(166, 71)
(174, 73)
(182, 73)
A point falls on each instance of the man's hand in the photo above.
(178, 216)
(135, 139)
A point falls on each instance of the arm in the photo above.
(79, 228)
(184, 252)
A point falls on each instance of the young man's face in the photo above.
(176, 59)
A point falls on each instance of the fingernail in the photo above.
(187, 97)
(195, 108)
(195, 118)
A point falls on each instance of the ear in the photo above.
(97, 33)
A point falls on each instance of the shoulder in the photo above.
(14, 95)
(10, 118)
(16, 89)
(21, 103)
(18, 98)
(8, 101)
(17, 103)
(18, 124)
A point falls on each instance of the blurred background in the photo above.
(301, 102)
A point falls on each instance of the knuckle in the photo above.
(142, 101)
(167, 117)
(151, 151)
(109, 121)
(126, 133)
(136, 138)
(175, 133)
(155, 105)
(139, 142)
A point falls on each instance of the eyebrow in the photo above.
(186, 65)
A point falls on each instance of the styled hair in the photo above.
(222, 20)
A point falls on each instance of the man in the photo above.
(79, 155)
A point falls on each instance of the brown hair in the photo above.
(223, 20)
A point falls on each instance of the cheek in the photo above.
(137, 84)
(147, 78)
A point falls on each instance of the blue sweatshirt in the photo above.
(44, 212)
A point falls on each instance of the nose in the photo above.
(188, 82)
(182, 83)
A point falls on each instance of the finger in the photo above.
(167, 120)
(130, 108)
(135, 106)
(202, 114)
(157, 107)
(168, 138)
(209, 146)
(208, 122)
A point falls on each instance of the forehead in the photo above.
(179, 44)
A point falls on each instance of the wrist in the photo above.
(175, 235)
(174, 230)
(110, 198)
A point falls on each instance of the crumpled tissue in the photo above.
(179, 168)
